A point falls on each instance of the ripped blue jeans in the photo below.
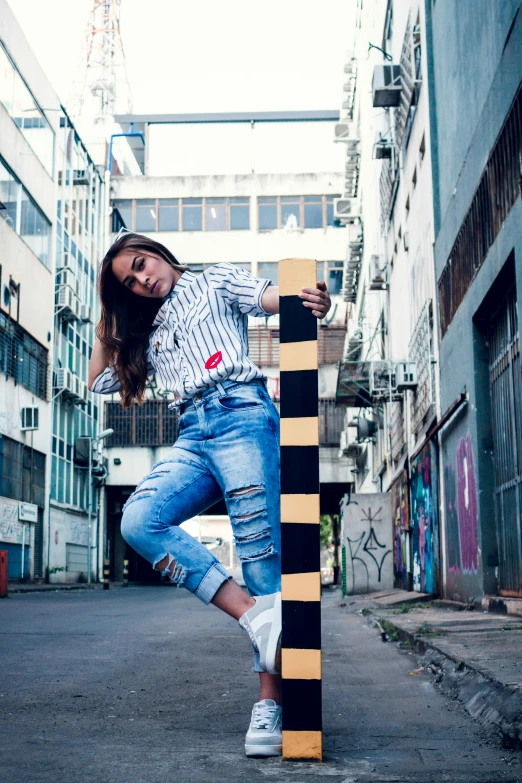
(228, 447)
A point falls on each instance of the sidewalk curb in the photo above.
(497, 707)
(50, 588)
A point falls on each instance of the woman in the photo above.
(157, 316)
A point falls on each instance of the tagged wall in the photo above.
(425, 520)
(367, 536)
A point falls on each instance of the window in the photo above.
(332, 274)
(192, 214)
(269, 270)
(407, 206)
(239, 213)
(168, 214)
(267, 213)
(121, 215)
(290, 212)
(146, 216)
(25, 112)
(22, 358)
(422, 148)
(296, 212)
(215, 214)
(23, 215)
(22, 472)
(414, 178)
(313, 212)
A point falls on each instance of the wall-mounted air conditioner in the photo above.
(80, 177)
(377, 273)
(64, 381)
(66, 262)
(366, 429)
(343, 208)
(386, 85)
(382, 150)
(406, 376)
(85, 313)
(83, 393)
(67, 303)
(29, 419)
(341, 131)
(67, 277)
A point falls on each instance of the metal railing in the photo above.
(498, 190)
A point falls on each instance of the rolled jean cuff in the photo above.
(211, 583)
(257, 666)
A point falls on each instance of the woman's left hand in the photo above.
(317, 299)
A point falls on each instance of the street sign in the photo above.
(28, 512)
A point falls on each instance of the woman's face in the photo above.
(144, 273)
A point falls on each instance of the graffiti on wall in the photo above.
(401, 535)
(425, 520)
(461, 505)
(368, 543)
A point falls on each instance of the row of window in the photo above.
(222, 214)
(329, 271)
(19, 210)
(25, 112)
(22, 358)
(22, 472)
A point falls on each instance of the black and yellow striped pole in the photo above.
(125, 573)
(106, 573)
(301, 575)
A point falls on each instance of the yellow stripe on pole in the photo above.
(303, 744)
(301, 664)
(300, 508)
(299, 356)
(300, 432)
(301, 587)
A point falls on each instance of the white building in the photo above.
(29, 122)
(249, 190)
(388, 375)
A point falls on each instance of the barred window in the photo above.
(22, 472)
(22, 358)
(150, 424)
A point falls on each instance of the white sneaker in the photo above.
(264, 736)
(263, 624)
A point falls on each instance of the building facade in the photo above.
(252, 219)
(478, 252)
(389, 375)
(28, 128)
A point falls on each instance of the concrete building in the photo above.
(477, 102)
(269, 194)
(29, 111)
(388, 376)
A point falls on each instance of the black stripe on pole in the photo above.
(300, 530)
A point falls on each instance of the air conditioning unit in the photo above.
(341, 131)
(64, 381)
(382, 150)
(342, 208)
(67, 262)
(85, 313)
(29, 419)
(67, 277)
(366, 429)
(406, 376)
(386, 85)
(83, 393)
(377, 273)
(67, 303)
(80, 177)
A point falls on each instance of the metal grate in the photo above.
(22, 472)
(506, 401)
(263, 345)
(498, 190)
(421, 352)
(22, 357)
(397, 429)
(331, 422)
(150, 424)
(402, 114)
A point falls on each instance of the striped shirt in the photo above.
(200, 334)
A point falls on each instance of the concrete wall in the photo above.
(367, 536)
(485, 76)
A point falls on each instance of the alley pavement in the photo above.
(148, 685)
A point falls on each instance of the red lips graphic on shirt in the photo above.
(213, 360)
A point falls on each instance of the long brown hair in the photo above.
(126, 319)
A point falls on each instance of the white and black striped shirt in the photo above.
(200, 333)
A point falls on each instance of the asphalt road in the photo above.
(147, 685)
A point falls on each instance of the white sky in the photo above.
(207, 55)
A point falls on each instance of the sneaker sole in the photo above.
(273, 640)
(263, 750)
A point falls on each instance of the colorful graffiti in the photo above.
(401, 527)
(425, 520)
(462, 512)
